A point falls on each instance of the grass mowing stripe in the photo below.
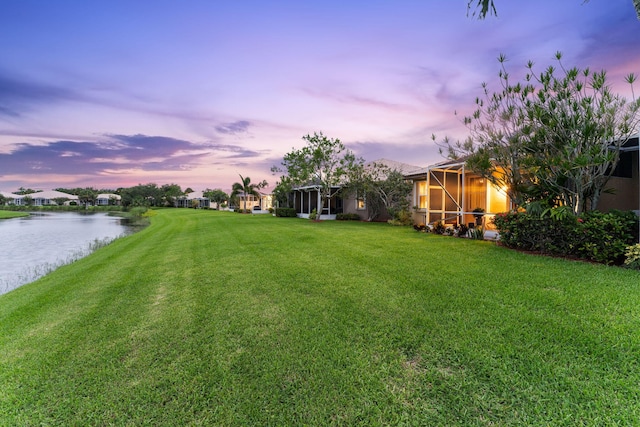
(218, 318)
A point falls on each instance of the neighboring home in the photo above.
(449, 192)
(307, 198)
(42, 198)
(193, 200)
(11, 199)
(108, 199)
(262, 203)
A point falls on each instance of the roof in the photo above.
(403, 168)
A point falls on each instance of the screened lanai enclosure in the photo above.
(448, 193)
(306, 199)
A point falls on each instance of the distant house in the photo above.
(193, 200)
(108, 199)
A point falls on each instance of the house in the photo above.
(305, 199)
(193, 200)
(107, 199)
(41, 198)
(450, 193)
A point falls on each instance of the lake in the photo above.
(36, 245)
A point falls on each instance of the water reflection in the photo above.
(35, 245)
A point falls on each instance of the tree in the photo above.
(552, 138)
(141, 195)
(580, 127)
(87, 196)
(60, 200)
(170, 192)
(498, 131)
(217, 196)
(246, 188)
(636, 4)
(324, 162)
(383, 188)
(488, 6)
(24, 191)
(485, 6)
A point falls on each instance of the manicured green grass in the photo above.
(216, 318)
(10, 214)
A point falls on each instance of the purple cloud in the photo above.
(233, 128)
(115, 153)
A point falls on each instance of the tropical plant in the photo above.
(246, 188)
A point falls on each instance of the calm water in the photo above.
(33, 246)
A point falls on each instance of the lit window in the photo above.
(421, 191)
(360, 201)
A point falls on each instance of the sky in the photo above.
(115, 93)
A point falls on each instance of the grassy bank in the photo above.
(216, 318)
(12, 214)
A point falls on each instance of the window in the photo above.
(421, 191)
(361, 203)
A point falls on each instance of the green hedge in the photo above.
(596, 236)
(286, 212)
(348, 217)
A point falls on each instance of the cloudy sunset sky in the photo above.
(117, 93)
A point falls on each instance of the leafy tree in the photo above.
(217, 196)
(141, 195)
(60, 200)
(246, 188)
(323, 162)
(383, 188)
(282, 191)
(3, 200)
(170, 192)
(24, 191)
(87, 196)
(552, 138)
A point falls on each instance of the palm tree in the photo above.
(247, 188)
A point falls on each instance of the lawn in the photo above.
(216, 318)
(10, 214)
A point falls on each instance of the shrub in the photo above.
(604, 237)
(596, 236)
(461, 230)
(348, 217)
(286, 212)
(632, 257)
(439, 227)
